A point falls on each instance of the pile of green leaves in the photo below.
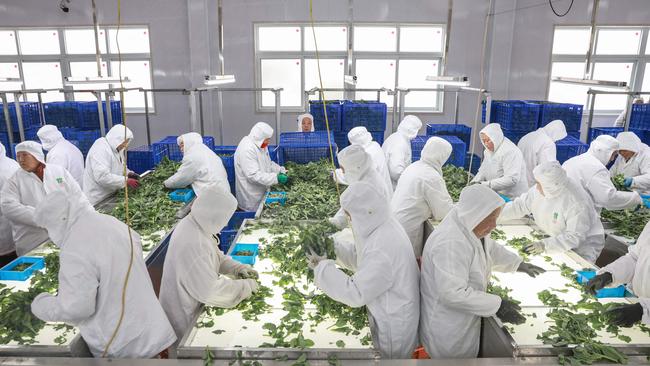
(456, 179)
(627, 223)
(619, 182)
(311, 193)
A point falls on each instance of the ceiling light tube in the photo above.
(449, 80)
(219, 79)
(589, 82)
(69, 80)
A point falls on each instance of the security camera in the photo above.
(64, 6)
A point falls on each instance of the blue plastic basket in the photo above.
(143, 158)
(86, 139)
(644, 135)
(570, 114)
(7, 273)
(274, 153)
(224, 150)
(458, 153)
(371, 115)
(334, 110)
(514, 135)
(584, 276)
(182, 195)
(245, 259)
(229, 165)
(461, 131)
(640, 117)
(516, 115)
(238, 218)
(63, 114)
(568, 148)
(276, 197)
(226, 238)
(4, 139)
(597, 131)
(30, 116)
(476, 163)
(173, 151)
(303, 148)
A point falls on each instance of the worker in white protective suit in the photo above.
(422, 193)
(8, 167)
(27, 188)
(590, 172)
(361, 137)
(104, 172)
(358, 168)
(503, 168)
(62, 152)
(200, 167)
(633, 162)
(96, 252)
(397, 147)
(620, 120)
(456, 266)
(306, 123)
(632, 269)
(539, 147)
(563, 210)
(195, 268)
(254, 170)
(386, 276)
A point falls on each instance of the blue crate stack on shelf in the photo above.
(568, 148)
(570, 114)
(303, 148)
(475, 160)
(516, 117)
(458, 154)
(174, 152)
(345, 115)
(334, 114)
(143, 158)
(226, 239)
(4, 139)
(30, 115)
(640, 121)
(597, 131)
(227, 155)
(86, 139)
(62, 114)
(461, 131)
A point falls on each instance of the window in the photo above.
(44, 56)
(618, 56)
(383, 56)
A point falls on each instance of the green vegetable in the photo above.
(243, 253)
(21, 267)
(456, 179)
(627, 223)
(498, 234)
(619, 182)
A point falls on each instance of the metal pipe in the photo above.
(456, 108)
(109, 110)
(590, 121)
(19, 117)
(350, 44)
(222, 66)
(395, 121)
(402, 97)
(278, 114)
(233, 89)
(594, 91)
(10, 132)
(146, 119)
(220, 115)
(41, 111)
(378, 95)
(100, 113)
(592, 38)
(628, 112)
(201, 111)
(488, 107)
(96, 30)
(447, 33)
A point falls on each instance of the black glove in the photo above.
(530, 269)
(509, 312)
(133, 175)
(598, 282)
(625, 315)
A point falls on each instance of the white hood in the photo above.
(301, 117)
(410, 126)
(213, 208)
(603, 147)
(555, 130)
(355, 161)
(360, 136)
(189, 140)
(629, 141)
(368, 209)
(436, 151)
(3, 151)
(552, 177)
(260, 132)
(116, 136)
(493, 131)
(58, 212)
(49, 136)
(476, 202)
(33, 148)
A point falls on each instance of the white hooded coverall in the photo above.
(62, 152)
(638, 167)
(590, 172)
(422, 193)
(564, 212)
(539, 147)
(397, 147)
(634, 269)
(456, 269)
(254, 170)
(194, 265)
(361, 137)
(105, 165)
(24, 191)
(200, 167)
(95, 255)
(8, 167)
(503, 170)
(386, 277)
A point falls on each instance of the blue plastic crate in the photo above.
(341, 139)
(644, 135)
(224, 150)
(514, 135)
(303, 148)
(461, 131)
(334, 114)
(371, 115)
(597, 131)
(86, 139)
(568, 148)
(245, 259)
(515, 115)
(8, 274)
(143, 158)
(4, 139)
(476, 163)
(229, 165)
(173, 151)
(30, 116)
(276, 197)
(182, 195)
(274, 153)
(570, 114)
(378, 136)
(458, 153)
(62, 114)
(238, 218)
(640, 117)
(30, 134)
(584, 276)
(226, 237)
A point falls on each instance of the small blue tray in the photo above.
(505, 198)
(584, 276)
(7, 274)
(182, 195)
(245, 259)
(273, 197)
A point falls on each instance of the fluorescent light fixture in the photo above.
(10, 80)
(69, 80)
(589, 82)
(350, 79)
(219, 79)
(449, 80)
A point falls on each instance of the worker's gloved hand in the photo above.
(625, 315)
(646, 202)
(247, 272)
(133, 175)
(251, 285)
(505, 198)
(339, 221)
(313, 259)
(132, 183)
(534, 248)
(509, 312)
(283, 170)
(598, 282)
(530, 269)
(283, 178)
(628, 182)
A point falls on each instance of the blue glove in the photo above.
(505, 198)
(628, 182)
(646, 202)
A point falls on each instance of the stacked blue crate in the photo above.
(640, 117)
(226, 238)
(303, 148)
(86, 139)
(461, 131)
(516, 117)
(568, 148)
(475, 160)
(62, 114)
(597, 131)
(143, 158)
(570, 114)
(458, 154)
(29, 112)
(4, 139)
(334, 114)
(238, 218)
(227, 155)
(371, 115)
(174, 152)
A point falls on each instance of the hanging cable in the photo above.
(550, 3)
